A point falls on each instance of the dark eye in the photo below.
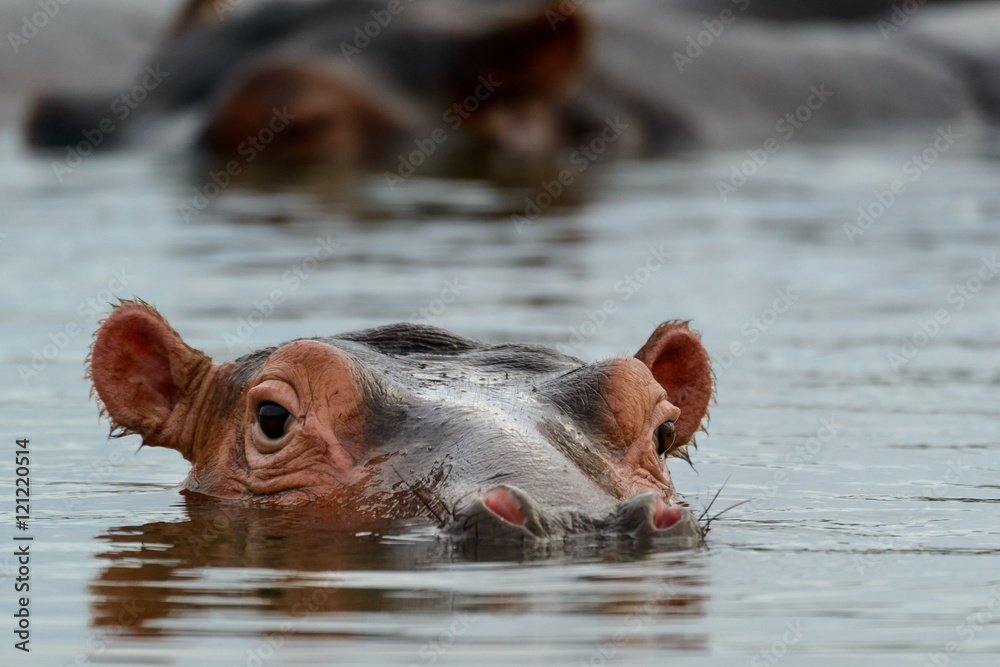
(665, 435)
(272, 419)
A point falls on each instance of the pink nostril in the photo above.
(665, 516)
(502, 502)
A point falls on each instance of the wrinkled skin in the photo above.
(492, 442)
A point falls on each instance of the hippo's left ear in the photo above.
(677, 359)
(142, 370)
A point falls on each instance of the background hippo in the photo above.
(492, 441)
(341, 94)
(530, 78)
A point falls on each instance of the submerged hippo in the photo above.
(399, 84)
(493, 442)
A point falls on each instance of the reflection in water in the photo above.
(858, 540)
(305, 577)
(293, 193)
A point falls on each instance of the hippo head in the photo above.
(339, 95)
(493, 442)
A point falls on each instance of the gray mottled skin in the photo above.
(459, 417)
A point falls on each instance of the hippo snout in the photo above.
(646, 515)
(508, 514)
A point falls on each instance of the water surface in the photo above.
(871, 531)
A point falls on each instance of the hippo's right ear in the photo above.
(141, 370)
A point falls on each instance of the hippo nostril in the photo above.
(502, 502)
(665, 517)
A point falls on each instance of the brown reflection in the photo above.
(532, 192)
(294, 566)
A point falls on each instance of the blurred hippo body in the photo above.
(810, 10)
(729, 79)
(350, 80)
(493, 442)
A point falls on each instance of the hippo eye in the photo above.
(665, 434)
(273, 420)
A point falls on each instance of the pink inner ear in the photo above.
(151, 364)
(131, 367)
(679, 362)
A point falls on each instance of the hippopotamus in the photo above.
(809, 10)
(494, 443)
(357, 81)
(338, 80)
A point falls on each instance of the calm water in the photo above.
(873, 480)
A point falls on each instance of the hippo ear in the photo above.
(197, 14)
(538, 56)
(677, 359)
(318, 112)
(141, 370)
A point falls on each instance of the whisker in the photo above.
(709, 522)
(420, 497)
(454, 508)
(714, 498)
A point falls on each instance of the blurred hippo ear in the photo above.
(141, 370)
(677, 359)
(312, 111)
(195, 14)
(537, 56)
